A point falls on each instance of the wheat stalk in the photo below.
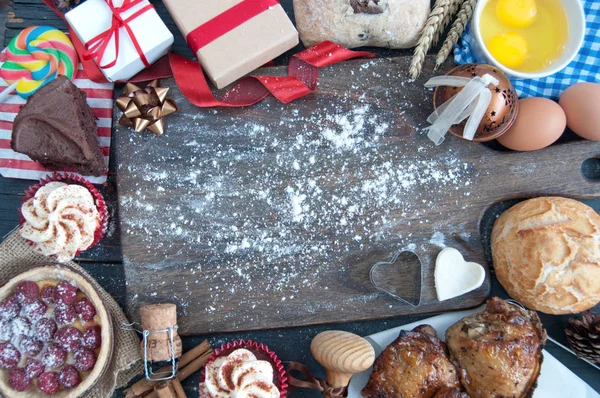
(432, 29)
(453, 8)
(458, 27)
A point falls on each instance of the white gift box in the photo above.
(94, 17)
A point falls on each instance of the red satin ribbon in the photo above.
(302, 78)
(226, 22)
(96, 47)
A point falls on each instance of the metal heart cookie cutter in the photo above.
(401, 278)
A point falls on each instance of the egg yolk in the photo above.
(516, 13)
(510, 49)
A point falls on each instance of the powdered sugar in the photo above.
(9, 356)
(5, 329)
(296, 200)
(438, 240)
(346, 133)
(21, 327)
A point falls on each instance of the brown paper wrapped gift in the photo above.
(240, 50)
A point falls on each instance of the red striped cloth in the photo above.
(17, 165)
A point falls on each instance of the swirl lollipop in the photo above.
(34, 58)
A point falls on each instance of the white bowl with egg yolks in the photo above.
(576, 20)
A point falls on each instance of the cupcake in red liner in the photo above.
(63, 216)
(243, 368)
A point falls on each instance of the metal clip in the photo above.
(148, 371)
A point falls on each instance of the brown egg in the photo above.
(581, 103)
(539, 123)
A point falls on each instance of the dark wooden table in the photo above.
(104, 262)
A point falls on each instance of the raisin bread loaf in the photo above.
(357, 23)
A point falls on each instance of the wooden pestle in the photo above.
(342, 354)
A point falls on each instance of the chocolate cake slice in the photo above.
(57, 128)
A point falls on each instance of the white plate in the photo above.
(555, 381)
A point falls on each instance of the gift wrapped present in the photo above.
(122, 36)
(233, 37)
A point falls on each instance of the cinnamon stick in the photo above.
(202, 350)
(178, 388)
(193, 367)
(146, 394)
(195, 353)
(163, 390)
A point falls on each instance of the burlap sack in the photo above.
(16, 256)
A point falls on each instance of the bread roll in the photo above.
(547, 254)
(357, 23)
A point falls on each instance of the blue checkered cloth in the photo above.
(584, 68)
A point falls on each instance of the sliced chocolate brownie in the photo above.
(57, 128)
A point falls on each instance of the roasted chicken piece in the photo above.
(451, 392)
(415, 365)
(498, 352)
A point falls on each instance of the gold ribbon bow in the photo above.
(145, 108)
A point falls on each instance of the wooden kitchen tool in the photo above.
(273, 215)
(342, 354)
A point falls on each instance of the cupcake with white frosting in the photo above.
(63, 216)
(243, 369)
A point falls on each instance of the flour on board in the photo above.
(250, 199)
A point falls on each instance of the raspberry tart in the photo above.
(55, 334)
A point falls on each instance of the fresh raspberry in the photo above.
(54, 356)
(21, 326)
(35, 310)
(92, 338)
(48, 383)
(9, 307)
(9, 356)
(69, 377)
(47, 295)
(45, 329)
(34, 368)
(17, 379)
(65, 315)
(85, 309)
(84, 359)
(65, 293)
(27, 292)
(30, 347)
(68, 338)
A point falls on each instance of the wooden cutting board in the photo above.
(272, 216)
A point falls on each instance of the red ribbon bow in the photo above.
(96, 47)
